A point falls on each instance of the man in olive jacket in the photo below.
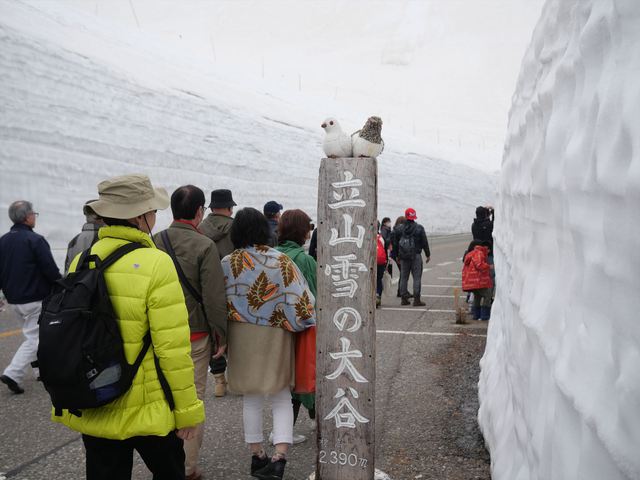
(198, 259)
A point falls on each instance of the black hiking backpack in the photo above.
(81, 353)
(407, 244)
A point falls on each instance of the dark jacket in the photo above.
(81, 242)
(394, 242)
(386, 235)
(217, 228)
(27, 268)
(200, 262)
(419, 235)
(313, 244)
(482, 229)
(273, 229)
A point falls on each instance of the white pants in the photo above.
(27, 352)
(282, 411)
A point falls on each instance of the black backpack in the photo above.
(81, 353)
(407, 244)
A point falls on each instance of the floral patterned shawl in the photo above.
(264, 287)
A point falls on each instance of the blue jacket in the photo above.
(27, 268)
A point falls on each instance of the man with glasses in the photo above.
(27, 273)
(198, 265)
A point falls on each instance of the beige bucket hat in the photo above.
(128, 196)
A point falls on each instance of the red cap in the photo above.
(410, 214)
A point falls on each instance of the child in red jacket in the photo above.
(476, 278)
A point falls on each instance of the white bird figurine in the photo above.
(368, 141)
(336, 143)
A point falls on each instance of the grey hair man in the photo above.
(87, 237)
(27, 272)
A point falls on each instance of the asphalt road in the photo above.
(426, 399)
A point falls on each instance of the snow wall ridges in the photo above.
(560, 381)
(110, 102)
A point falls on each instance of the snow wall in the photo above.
(560, 382)
(82, 99)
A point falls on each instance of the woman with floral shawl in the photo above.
(268, 301)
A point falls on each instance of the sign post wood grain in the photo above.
(346, 333)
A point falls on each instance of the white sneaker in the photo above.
(299, 439)
(296, 439)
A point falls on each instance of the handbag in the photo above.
(305, 363)
(387, 282)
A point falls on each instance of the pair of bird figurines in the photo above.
(366, 142)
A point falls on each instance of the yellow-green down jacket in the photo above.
(146, 294)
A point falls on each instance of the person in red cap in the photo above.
(409, 242)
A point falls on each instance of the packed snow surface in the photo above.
(83, 99)
(560, 381)
(440, 73)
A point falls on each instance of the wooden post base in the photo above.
(461, 314)
(378, 475)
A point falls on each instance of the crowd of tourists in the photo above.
(405, 242)
(231, 294)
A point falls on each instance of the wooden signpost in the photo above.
(345, 307)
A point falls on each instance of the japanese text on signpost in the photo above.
(347, 204)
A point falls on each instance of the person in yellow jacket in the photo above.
(146, 296)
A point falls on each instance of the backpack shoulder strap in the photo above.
(118, 254)
(82, 260)
(164, 384)
(183, 279)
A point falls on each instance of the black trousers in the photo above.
(379, 277)
(113, 459)
(218, 365)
